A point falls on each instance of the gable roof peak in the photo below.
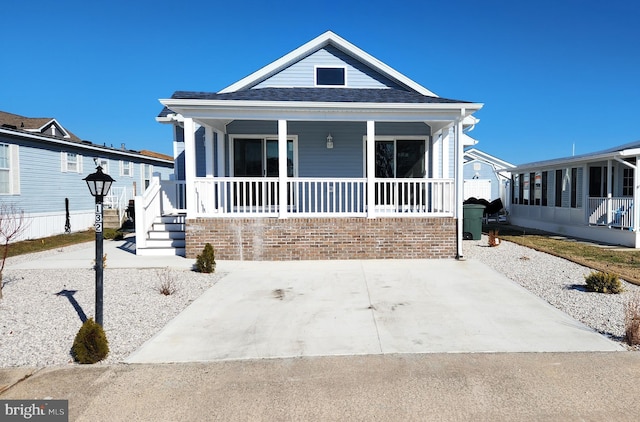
(321, 41)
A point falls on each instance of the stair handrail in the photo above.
(147, 209)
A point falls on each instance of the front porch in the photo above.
(325, 218)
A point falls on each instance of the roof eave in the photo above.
(91, 147)
(334, 111)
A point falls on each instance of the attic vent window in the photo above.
(330, 76)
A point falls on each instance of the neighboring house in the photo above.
(592, 196)
(486, 177)
(326, 153)
(42, 165)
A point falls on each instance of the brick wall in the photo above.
(272, 239)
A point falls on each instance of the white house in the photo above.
(325, 153)
(42, 165)
(592, 196)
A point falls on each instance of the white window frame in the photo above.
(329, 66)
(13, 169)
(384, 138)
(104, 163)
(128, 165)
(146, 173)
(264, 138)
(64, 162)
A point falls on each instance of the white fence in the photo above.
(612, 212)
(238, 196)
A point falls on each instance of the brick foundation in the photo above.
(272, 239)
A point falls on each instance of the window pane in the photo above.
(329, 76)
(384, 159)
(410, 159)
(4, 156)
(4, 181)
(72, 161)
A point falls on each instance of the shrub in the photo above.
(90, 344)
(108, 233)
(632, 319)
(206, 261)
(167, 282)
(603, 282)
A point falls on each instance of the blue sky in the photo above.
(552, 74)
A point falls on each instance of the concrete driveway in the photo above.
(321, 308)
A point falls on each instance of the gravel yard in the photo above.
(558, 281)
(42, 309)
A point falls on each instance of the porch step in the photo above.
(161, 252)
(110, 218)
(166, 237)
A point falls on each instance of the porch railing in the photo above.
(611, 212)
(118, 199)
(238, 196)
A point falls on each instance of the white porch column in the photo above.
(221, 153)
(208, 151)
(371, 169)
(435, 153)
(636, 198)
(609, 190)
(459, 180)
(190, 165)
(445, 152)
(282, 168)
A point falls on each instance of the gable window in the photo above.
(330, 76)
(126, 168)
(71, 162)
(627, 182)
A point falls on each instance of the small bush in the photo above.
(108, 233)
(602, 282)
(167, 284)
(632, 319)
(90, 344)
(206, 261)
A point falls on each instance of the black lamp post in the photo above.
(99, 185)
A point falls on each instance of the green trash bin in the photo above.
(472, 221)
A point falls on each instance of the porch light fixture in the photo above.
(99, 185)
(329, 141)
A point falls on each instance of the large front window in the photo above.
(400, 159)
(259, 157)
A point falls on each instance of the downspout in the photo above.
(459, 178)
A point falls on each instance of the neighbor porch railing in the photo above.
(118, 199)
(611, 212)
(242, 196)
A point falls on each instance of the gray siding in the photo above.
(44, 186)
(302, 73)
